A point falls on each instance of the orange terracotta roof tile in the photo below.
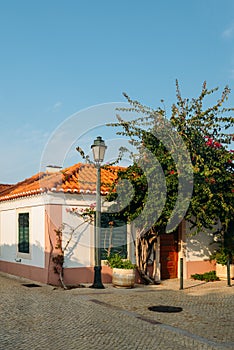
(4, 187)
(79, 178)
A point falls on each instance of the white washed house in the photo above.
(33, 209)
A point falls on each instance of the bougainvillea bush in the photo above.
(207, 135)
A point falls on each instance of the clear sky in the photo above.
(61, 57)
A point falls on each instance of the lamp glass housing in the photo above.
(98, 149)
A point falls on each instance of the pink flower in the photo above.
(217, 144)
(209, 141)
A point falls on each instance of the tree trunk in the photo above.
(61, 279)
(145, 245)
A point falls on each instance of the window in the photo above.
(23, 233)
(114, 235)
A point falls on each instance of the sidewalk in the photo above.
(83, 318)
(190, 287)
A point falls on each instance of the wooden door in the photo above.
(169, 255)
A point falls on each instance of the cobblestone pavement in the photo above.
(50, 318)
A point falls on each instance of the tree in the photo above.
(183, 169)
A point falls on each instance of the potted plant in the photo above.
(123, 271)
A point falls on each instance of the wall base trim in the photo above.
(72, 276)
(31, 272)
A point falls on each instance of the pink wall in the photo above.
(72, 276)
(199, 267)
(53, 220)
(85, 275)
(30, 272)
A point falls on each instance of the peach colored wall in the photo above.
(31, 272)
(53, 220)
(199, 267)
(72, 276)
(85, 275)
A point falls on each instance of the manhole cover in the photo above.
(165, 308)
(30, 285)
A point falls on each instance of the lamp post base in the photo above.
(97, 278)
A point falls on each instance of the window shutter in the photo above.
(23, 234)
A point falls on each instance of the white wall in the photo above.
(38, 236)
(199, 247)
(78, 252)
(9, 231)
(8, 249)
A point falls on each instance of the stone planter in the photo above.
(124, 278)
(221, 271)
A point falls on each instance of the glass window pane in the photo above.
(23, 233)
(113, 235)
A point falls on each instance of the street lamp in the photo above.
(98, 149)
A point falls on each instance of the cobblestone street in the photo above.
(50, 318)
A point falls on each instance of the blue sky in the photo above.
(61, 57)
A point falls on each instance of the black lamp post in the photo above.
(98, 149)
